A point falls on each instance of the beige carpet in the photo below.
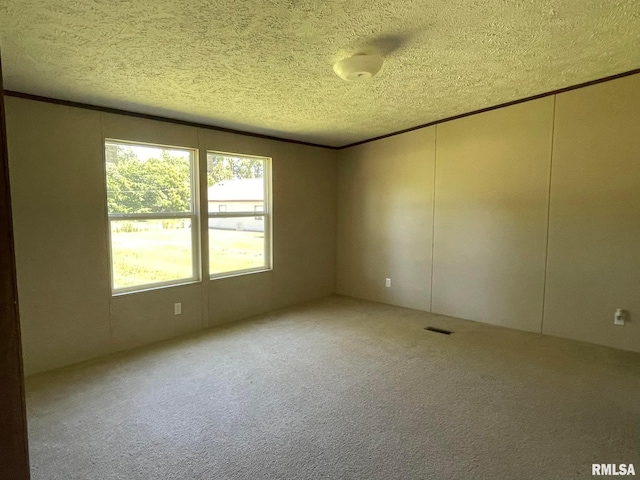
(340, 389)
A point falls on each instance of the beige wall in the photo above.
(385, 214)
(594, 232)
(59, 200)
(490, 235)
(60, 232)
(506, 182)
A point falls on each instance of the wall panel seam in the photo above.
(337, 157)
(112, 345)
(433, 212)
(546, 251)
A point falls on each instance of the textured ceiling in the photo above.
(266, 66)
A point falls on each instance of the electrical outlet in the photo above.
(177, 309)
(619, 317)
(387, 282)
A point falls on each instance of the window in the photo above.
(153, 219)
(239, 236)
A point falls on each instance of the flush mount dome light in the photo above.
(358, 67)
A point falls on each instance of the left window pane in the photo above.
(146, 252)
(152, 217)
(148, 179)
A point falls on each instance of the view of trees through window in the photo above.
(158, 183)
(225, 167)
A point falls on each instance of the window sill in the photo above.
(152, 288)
(222, 276)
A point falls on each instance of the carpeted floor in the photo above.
(340, 389)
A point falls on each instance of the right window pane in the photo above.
(239, 213)
(236, 244)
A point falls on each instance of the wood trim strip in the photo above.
(69, 103)
(117, 111)
(495, 107)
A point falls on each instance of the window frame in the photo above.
(266, 214)
(193, 216)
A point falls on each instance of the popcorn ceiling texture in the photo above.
(266, 66)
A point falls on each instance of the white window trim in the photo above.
(267, 214)
(193, 215)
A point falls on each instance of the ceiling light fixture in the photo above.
(358, 67)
